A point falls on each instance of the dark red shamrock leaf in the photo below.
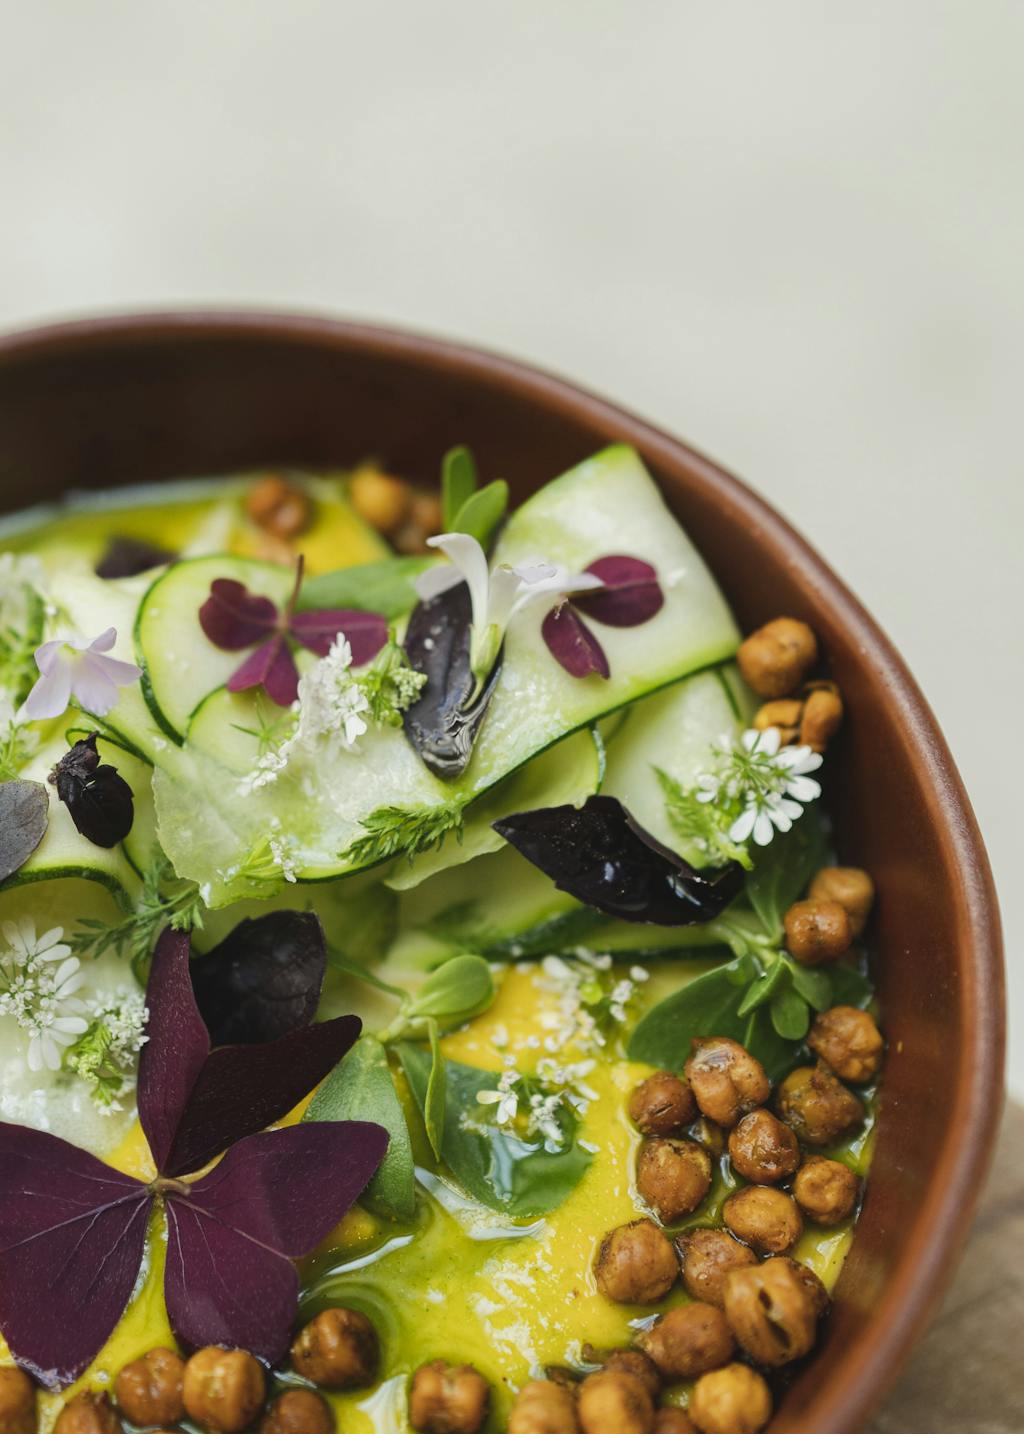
(570, 640)
(631, 594)
(263, 980)
(99, 800)
(193, 1102)
(271, 1199)
(72, 1233)
(233, 619)
(602, 856)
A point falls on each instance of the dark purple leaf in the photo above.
(72, 1232)
(24, 817)
(229, 1277)
(177, 1048)
(442, 724)
(97, 797)
(233, 618)
(263, 980)
(367, 632)
(271, 667)
(243, 1089)
(600, 855)
(570, 640)
(126, 557)
(631, 593)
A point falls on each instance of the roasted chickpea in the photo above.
(767, 1220)
(773, 1310)
(851, 887)
(563, 1376)
(817, 931)
(378, 497)
(822, 715)
(673, 1176)
(762, 1149)
(426, 513)
(640, 1365)
(614, 1402)
(448, 1399)
(817, 1107)
(149, 1390)
(784, 714)
(826, 1190)
(673, 1420)
(733, 1400)
(662, 1104)
(298, 1411)
(849, 1041)
(725, 1079)
(688, 1341)
(636, 1264)
(338, 1349)
(223, 1388)
(707, 1257)
(775, 658)
(279, 507)
(17, 1401)
(88, 1413)
(544, 1408)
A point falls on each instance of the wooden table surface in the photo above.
(968, 1372)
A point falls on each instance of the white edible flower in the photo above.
(38, 981)
(497, 594)
(504, 1097)
(768, 781)
(80, 668)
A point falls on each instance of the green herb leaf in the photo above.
(848, 986)
(791, 1014)
(813, 984)
(783, 869)
(519, 1177)
(385, 587)
(763, 987)
(338, 962)
(391, 831)
(458, 484)
(456, 991)
(434, 1103)
(361, 1088)
(481, 513)
(367, 924)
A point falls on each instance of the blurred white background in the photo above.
(793, 233)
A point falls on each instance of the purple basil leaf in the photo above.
(442, 724)
(367, 632)
(243, 1089)
(177, 1048)
(600, 855)
(98, 799)
(72, 1233)
(570, 640)
(233, 618)
(24, 817)
(263, 980)
(631, 593)
(271, 667)
(231, 1240)
(127, 557)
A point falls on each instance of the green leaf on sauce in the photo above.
(361, 1088)
(783, 869)
(385, 587)
(498, 1169)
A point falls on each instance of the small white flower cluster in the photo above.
(563, 1086)
(582, 999)
(105, 1056)
(273, 857)
(765, 781)
(38, 981)
(504, 1096)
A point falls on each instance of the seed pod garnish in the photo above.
(97, 797)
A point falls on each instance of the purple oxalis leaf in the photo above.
(570, 640)
(72, 1233)
(177, 1046)
(233, 1236)
(271, 667)
(233, 618)
(367, 632)
(631, 594)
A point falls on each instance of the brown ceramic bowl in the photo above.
(132, 399)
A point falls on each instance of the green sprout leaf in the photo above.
(435, 1098)
(783, 869)
(458, 484)
(385, 586)
(481, 513)
(791, 1014)
(456, 991)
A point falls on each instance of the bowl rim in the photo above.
(928, 1257)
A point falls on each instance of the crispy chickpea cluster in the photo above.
(849, 1042)
(726, 1080)
(338, 1349)
(150, 1390)
(448, 1399)
(17, 1402)
(223, 1388)
(391, 505)
(88, 1413)
(662, 1104)
(707, 1258)
(816, 1106)
(636, 1264)
(673, 1176)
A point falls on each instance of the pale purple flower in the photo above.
(70, 667)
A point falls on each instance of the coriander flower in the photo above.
(70, 667)
(38, 981)
(497, 594)
(768, 784)
(504, 1097)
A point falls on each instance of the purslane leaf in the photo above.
(784, 867)
(482, 511)
(384, 587)
(72, 1233)
(458, 483)
(362, 1087)
(459, 989)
